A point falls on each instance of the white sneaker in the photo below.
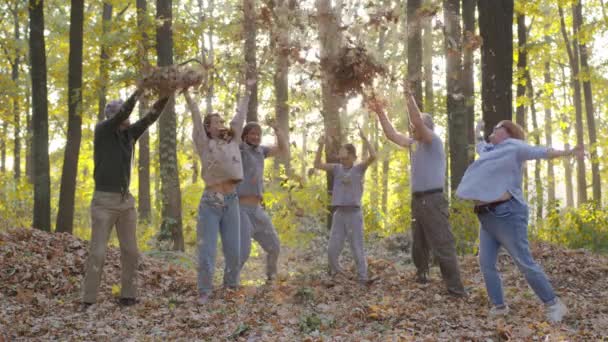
(556, 312)
(497, 311)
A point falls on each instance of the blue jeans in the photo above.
(256, 224)
(506, 225)
(218, 213)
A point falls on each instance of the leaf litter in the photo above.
(40, 278)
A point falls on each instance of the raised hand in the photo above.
(578, 151)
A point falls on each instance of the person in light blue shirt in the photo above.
(494, 181)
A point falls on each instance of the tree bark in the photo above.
(106, 22)
(331, 40)
(170, 187)
(589, 109)
(427, 54)
(522, 64)
(573, 58)
(496, 29)
(547, 104)
(536, 136)
(468, 73)
(280, 38)
(414, 50)
(458, 135)
(16, 114)
(40, 118)
(65, 215)
(144, 206)
(3, 146)
(566, 134)
(250, 30)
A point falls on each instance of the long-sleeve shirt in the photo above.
(220, 159)
(113, 147)
(498, 170)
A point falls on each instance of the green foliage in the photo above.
(465, 226)
(16, 202)
(583, 227)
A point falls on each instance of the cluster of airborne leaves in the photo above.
(40, 277)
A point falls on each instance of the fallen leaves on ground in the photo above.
(40, 277)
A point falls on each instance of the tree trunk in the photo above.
(581, 182)
(427, 54)
(566, 136)
(385, 175)
(591, 130)
(170, 186)
(3, 146)
(522, 61)
(458, 138)
(331, 40)
(536, 136)
(144, 206)
(468, 73)
(280, 39)
(16, 115)
(250, 30)
(211, 60)
(40, 119)
(29, 159)
(522, 64)
(547, 104)
(414, 50)
(65, 215)
(106, 21)
(496, 29)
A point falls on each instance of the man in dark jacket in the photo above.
(113, 204)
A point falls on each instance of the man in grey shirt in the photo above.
(430, 226)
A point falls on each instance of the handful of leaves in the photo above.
(355, 69)
(165, 79)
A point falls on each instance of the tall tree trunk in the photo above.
(106, 22)
(522, 64)
(459, 156)
(40, 119)
(566, 136)
(573, 58)
(29, 159)
(280, 40)
(211, 60)
(331, 40)
(65, 215)
(414, 49)
(170, 186)
(468, 72)
(250, 30)
(591, 130)
(143, 170)
(496, 29)
(547, 104)
(385, 175)
(536, 136)
(3, 146)
(427, 54)
(16, 115)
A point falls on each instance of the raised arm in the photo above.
(139, 127)
(390, 132)
(281, 147)
(481, 141)
(198, 132)
(426, 134)
(318, 163)
(238, 120)
(370, 149)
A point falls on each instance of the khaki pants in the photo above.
(432, 232)
(108, 210)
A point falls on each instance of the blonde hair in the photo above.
(514, 130)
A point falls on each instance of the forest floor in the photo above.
(40, 276)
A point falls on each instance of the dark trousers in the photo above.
(431, 231)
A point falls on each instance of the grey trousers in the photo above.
(347, 223)
(256, 224)
(109, 210)
(431, 231)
